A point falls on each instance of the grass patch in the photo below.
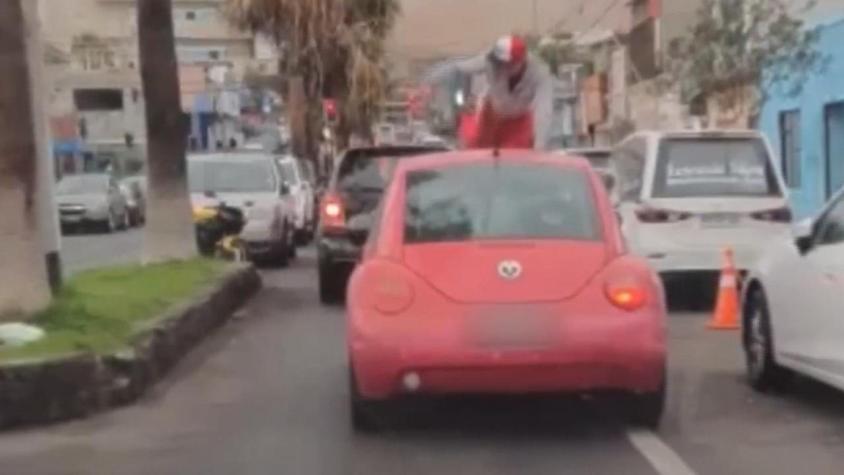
(98, 311)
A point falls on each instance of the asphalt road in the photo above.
(83, 251)
(267, 395)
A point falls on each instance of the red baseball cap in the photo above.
(511, 49)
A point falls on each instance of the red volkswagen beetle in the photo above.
(502, 272)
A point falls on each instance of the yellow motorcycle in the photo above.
(218, 231)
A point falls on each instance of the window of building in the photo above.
(790, 147)
(190, 15)
(98, 99)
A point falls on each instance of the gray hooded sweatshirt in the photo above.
(534, 93)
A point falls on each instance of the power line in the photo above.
(567, 16)
(610, 7)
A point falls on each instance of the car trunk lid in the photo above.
(507, 271)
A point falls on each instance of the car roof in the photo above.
(238, 155)
(447, 158)
(704, 133)
(386, 150)
(575, 151)
(104, 176)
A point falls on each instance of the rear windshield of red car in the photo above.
(369, 170)
(491, 201)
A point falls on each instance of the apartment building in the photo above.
(94, 76)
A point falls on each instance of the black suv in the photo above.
(353, 194)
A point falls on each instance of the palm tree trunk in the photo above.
(23, 275)
(169, 232)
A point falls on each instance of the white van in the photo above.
(685, 196)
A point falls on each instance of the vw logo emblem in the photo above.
(509, 270)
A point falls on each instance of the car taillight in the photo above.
(391, 294)
(779, 215)
(333, 212)
(626, 294)
(651, 215)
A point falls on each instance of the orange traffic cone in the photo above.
(726, 316)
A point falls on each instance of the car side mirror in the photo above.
(803, 232)
(284, 190)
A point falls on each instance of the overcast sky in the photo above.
(447, 27)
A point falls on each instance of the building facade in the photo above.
(94, 74)
(807, 129)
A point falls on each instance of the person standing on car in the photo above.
(517, 108)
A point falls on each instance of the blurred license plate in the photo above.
(719, 220)
(513, 331)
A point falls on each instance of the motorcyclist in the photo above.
(516, 110)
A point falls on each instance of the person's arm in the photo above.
(543, 110)
(449, 69)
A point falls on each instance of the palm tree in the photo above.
(23, 277)
(169, 232)
(328, 47)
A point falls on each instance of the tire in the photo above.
(109, 225)
(332, 283)
(366, 416)
(281, 256)
(645, 410)
(291, 245)
(763, 372)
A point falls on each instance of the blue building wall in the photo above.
(818, 92)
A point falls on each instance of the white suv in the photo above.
(685, 196)
(302, 193)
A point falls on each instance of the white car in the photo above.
(302, 192)
(251, 182)
(684, 196)
(792, 304)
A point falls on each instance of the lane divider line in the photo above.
(661, 457)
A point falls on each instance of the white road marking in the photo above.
(664, 460)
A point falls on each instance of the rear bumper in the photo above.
(701, 260)
(338, 249)
(591, 354)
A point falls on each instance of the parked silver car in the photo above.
(251, 182)
(91, 199)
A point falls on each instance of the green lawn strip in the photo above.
(98, 311)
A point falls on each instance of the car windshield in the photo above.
(695, 167)
(505, 201)
(234, 175)
(82, 184)
(371, 169)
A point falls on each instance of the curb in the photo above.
(78, 385)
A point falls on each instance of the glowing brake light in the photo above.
(650, 215)
(333, 212)
(626, 294)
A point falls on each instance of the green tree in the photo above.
(169, 231)
(327, 47)
(737, 50)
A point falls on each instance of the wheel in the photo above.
(291, 245)
(126, 221)
(645, 410)
(110, 224)
(366, 415)
(763, 372)
(332, 283)
(281, 256)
